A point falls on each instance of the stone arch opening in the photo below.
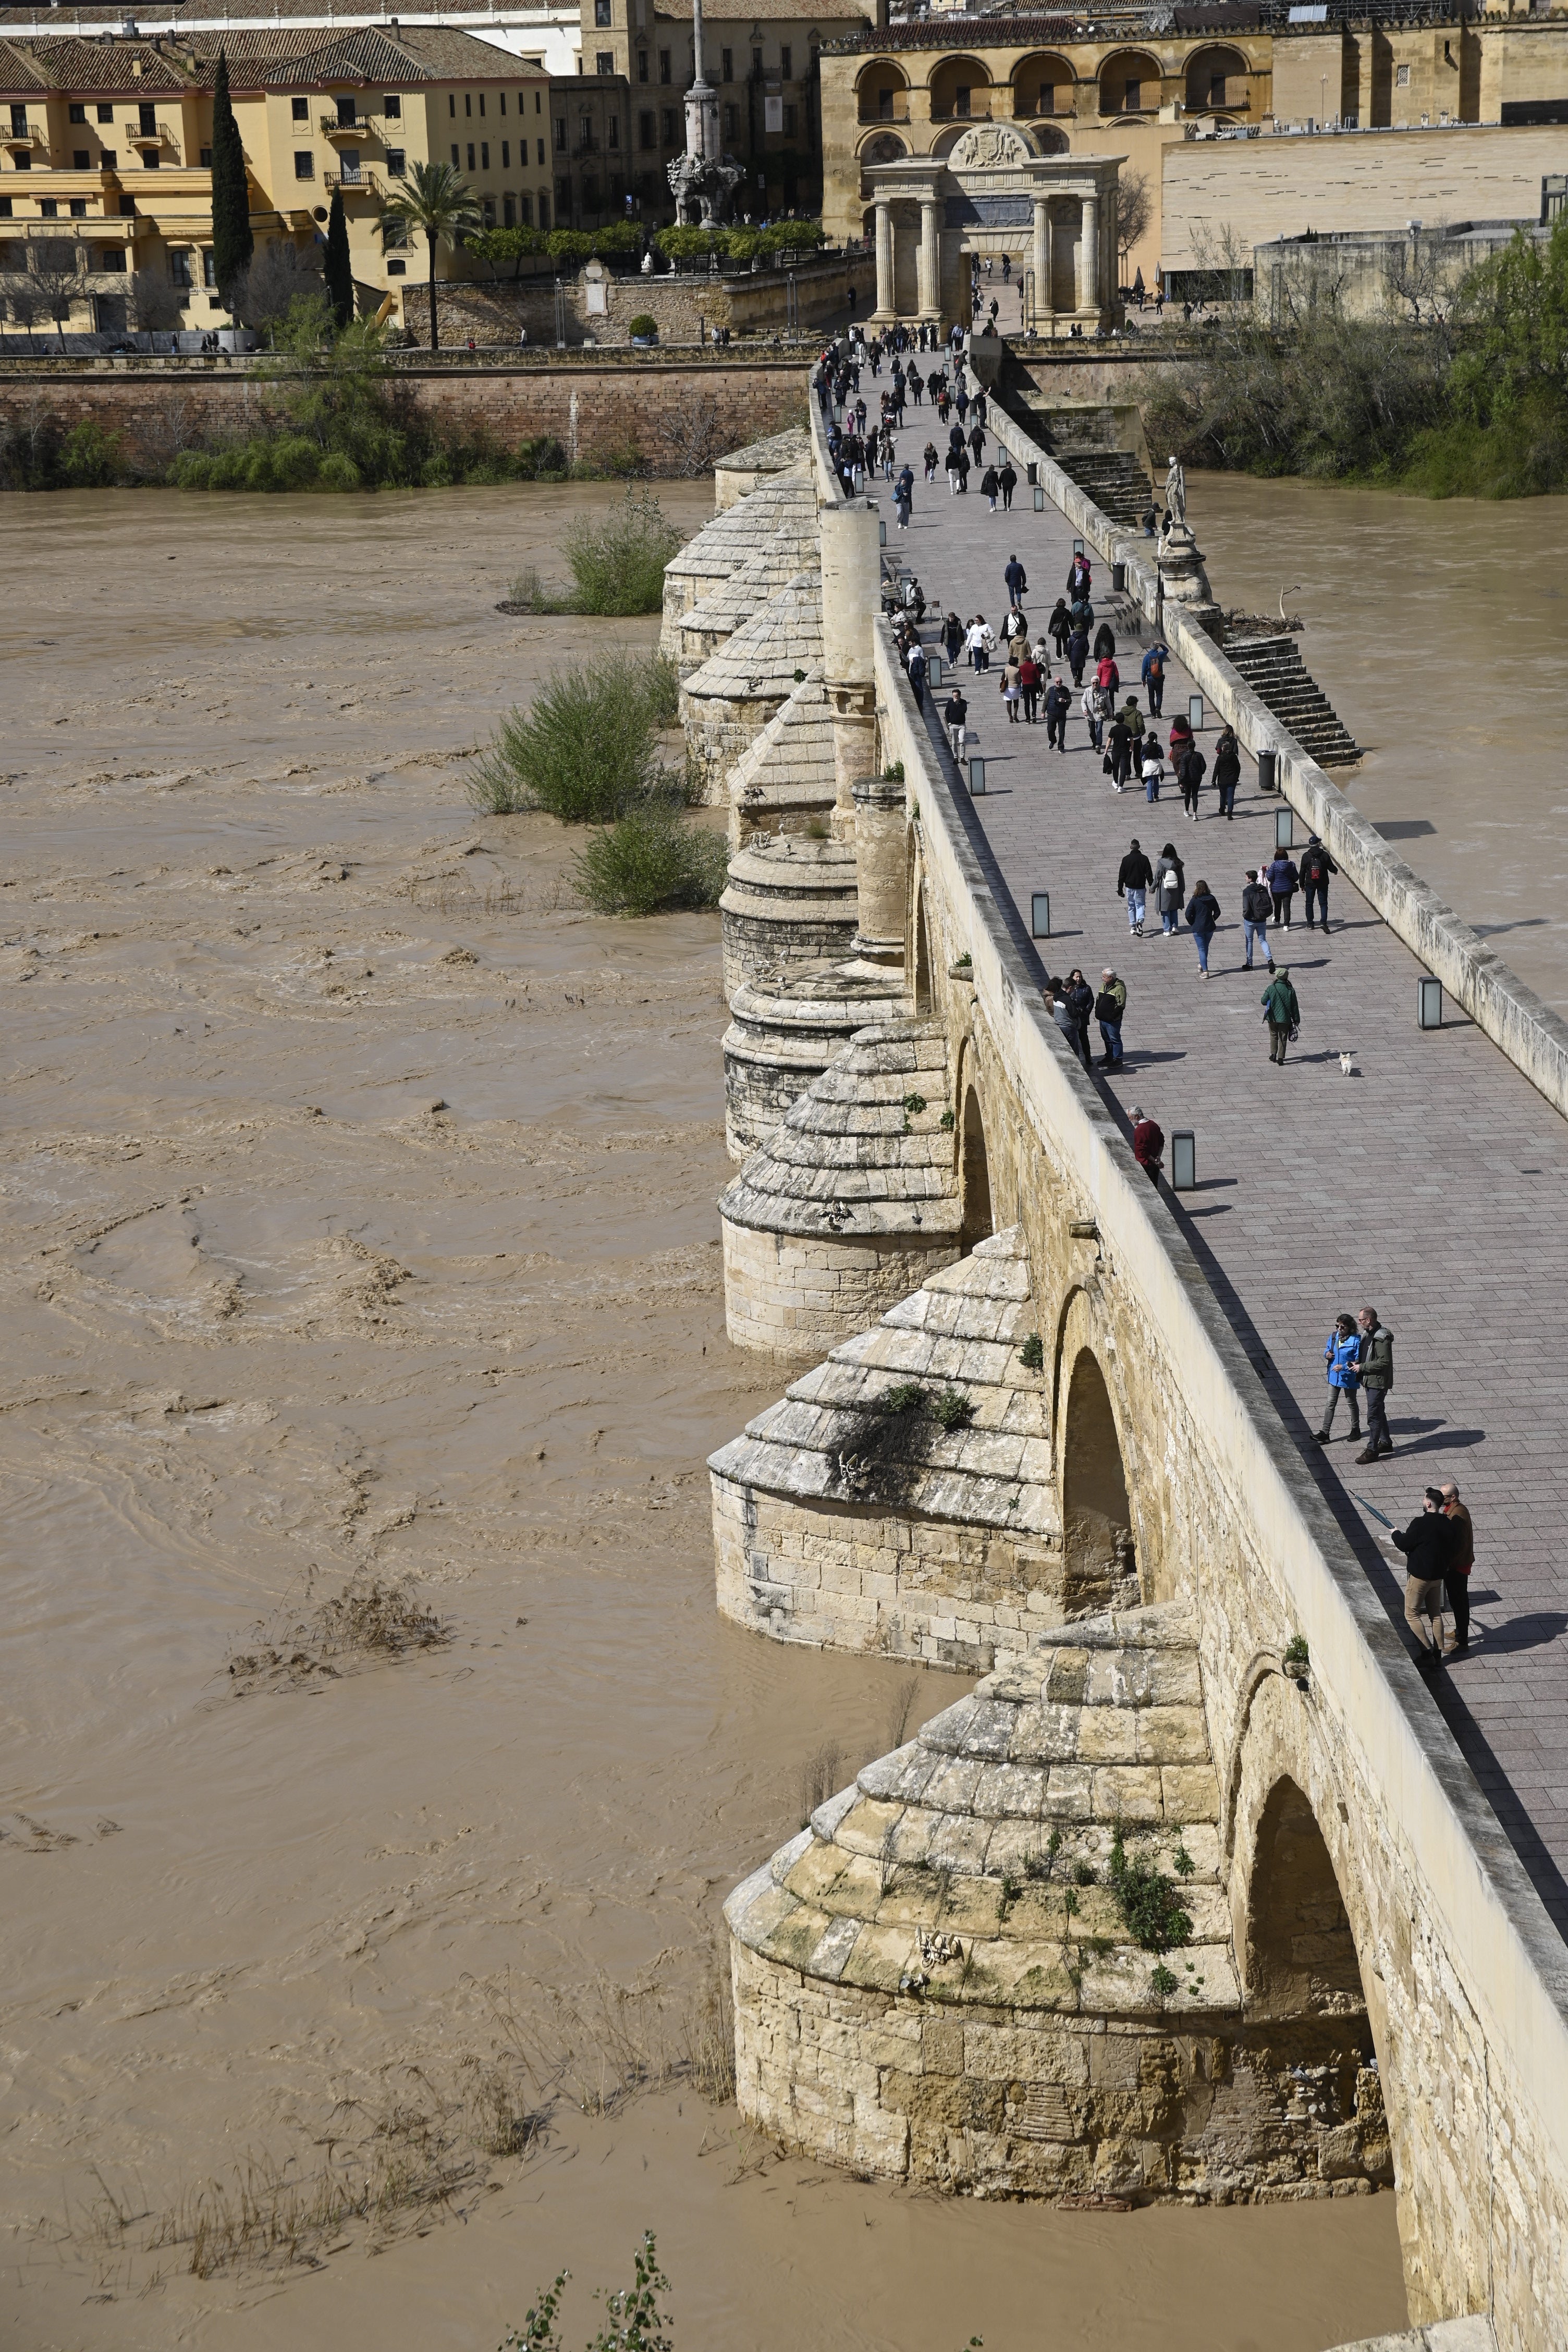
(882, 92)
(961, 92)
(1216, 77)
(1099, 1556)
(1042, 84)
(1130, 83)
(1302, 1958)
(881, 147)
(974, 1177)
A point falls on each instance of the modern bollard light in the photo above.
(1430, 1004)
(1118, 578)
(882, 532)
(933, 672)
(1039, 914)
(1039, 499)
(976, 775)
(1183, 1160)
(1195, 712)
(1077, 547)
(1284, 828)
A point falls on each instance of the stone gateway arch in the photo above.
(1189, 1893)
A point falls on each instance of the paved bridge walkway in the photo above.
(1430, 1184)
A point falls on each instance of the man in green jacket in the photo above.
(1376, 1378)
(1281, 1012)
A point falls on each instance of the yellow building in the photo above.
(105, 167)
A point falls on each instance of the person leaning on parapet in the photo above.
(1428, 1545)
(1282, 1011)
(1147, 1143)
(1134, 878)
(1461, 1560)
(1080, 1004)
(1315, 866)
(1341, 1355)
(1109, 1007)
(1376, 1378)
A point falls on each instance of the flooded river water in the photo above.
(359, 1221)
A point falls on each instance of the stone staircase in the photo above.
(1113, 479)
(1273, 668)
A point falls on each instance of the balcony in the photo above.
(17, 141)
(339, 126)
(976, 111)
(353, 183)
(160, 140)
(900, 113)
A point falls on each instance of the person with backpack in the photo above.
(1190, 768)
(1256, 905)
(1342, 1356)
(1153, 676)
(1228, 775)
(1109, 1006)
(1376, 1378)
(1316, 867)
(1133, 876)
(1283, 1012)
(1202, 914)
(1170, 887)
(1282, 877)
(1059, 624)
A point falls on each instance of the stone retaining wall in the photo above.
(669, 415)
(688, 306)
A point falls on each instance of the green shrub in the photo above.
(645, 323)
(953, 1409)
(89, 457)
(295, 462)
(1032, 1354)
(584, 749)
(339, 472)
(436, 473)
(649, 862)
(1151, 1905)
(618, 562)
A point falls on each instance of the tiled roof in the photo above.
(793, 12)
(100, 67)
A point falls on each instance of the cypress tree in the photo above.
(233, 244)
(339, 270)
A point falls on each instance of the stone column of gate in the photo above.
(930, 274)
(884, 257)
(851, 597)
(1089, 254)
(1042, 258)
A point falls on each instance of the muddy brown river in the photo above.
(359, 1226)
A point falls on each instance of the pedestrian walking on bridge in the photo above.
(955, 718)
(1283, 876)
(1008, 477)
(1461, 1560)
(1058, 702)
(1109, 1006)
(1170, 887)
(1228, 775)
(1378, 1379)
(1342, 1356)
(1153, 676)
(1283, 1012)
(1428, 1545)
(1202, 914)
(1315, 868)
(1147, 1143)
(1256, 905)
(1133, 876)
(1015, 580)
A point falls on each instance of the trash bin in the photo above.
(1119, 578)
(1034, 473)
(1268, 772)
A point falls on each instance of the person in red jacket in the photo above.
(1147, 1143)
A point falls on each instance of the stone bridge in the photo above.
(1192, 1894)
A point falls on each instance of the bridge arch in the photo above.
(973, 1165)
(1103, 1547)
(922, 972)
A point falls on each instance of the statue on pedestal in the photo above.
(1175, 490)
(703, 180)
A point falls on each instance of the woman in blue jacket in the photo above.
(1342, 1356)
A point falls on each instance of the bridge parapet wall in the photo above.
(1463, 1976)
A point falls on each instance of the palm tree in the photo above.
(436, 201)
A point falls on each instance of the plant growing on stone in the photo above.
(585, 748)
(1149, 1904)
(893, 774)
(1296, 1651)
(914, 1102)
(1083, 1873)
(1011, 1890)
(1182, 1860)
(1070, 1904)
(1163, 1982)
(1032, 1354)
(947, 1122)
(953, 1409)
(908, 1397)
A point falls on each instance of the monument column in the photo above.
(930, 269)
(884, 256)
(1042, 262)
(851, 598)
(1089, 254)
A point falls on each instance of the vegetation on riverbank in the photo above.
(618, 563)
(1469, 403)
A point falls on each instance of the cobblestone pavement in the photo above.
(1424, 1184)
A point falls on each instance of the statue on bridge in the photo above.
(1175, 490)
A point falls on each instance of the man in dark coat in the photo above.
(1427, 1544)
(1315, 866)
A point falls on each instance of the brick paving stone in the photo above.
(1429, 1185)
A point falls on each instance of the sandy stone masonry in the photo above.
(726, 703)
(789, 904)
(936, 1981)
(785, 781)
(851, 1202)
(720, 548)
(842, 1522)
(783, 1035)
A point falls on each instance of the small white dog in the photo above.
(1347, 1066)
